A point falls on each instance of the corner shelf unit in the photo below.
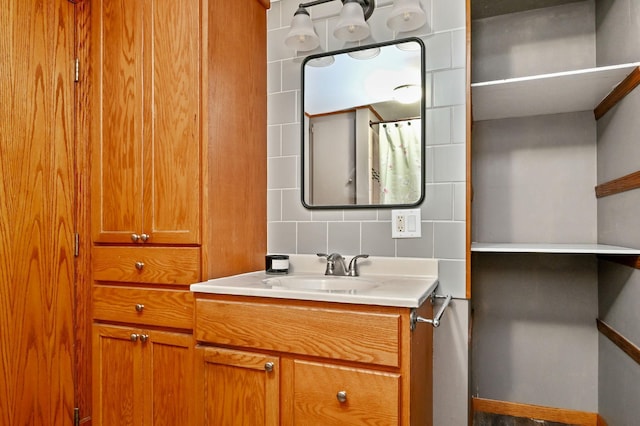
(596, 89)
(555, 93)
(600, 249)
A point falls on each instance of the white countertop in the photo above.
(401, 282)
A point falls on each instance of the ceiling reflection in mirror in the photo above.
(363, 126)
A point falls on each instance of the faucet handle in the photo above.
(353, 265)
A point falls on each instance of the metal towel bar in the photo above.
(415, 318)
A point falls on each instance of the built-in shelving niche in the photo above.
(597, 89)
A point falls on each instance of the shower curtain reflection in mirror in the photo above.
(398, 161)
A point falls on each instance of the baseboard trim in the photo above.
(550, 414)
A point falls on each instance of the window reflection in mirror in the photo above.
(363, 126)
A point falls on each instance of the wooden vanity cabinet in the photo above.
(237, 387)
(142, 376)
(311, 362)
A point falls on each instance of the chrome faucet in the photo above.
(336, 264)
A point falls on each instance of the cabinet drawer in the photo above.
(166, 308)
(316, 330)
(152, 265)
(333, 395)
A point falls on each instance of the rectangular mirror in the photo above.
(363, 126)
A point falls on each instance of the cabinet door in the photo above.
(238, 388)
(169, 390)
(326, 394)
(117, 376)
(146, 121)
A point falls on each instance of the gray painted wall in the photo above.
(292, 229)
(618, 41)
(534, 337)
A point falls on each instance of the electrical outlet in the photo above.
(406, 224)
(400, 225)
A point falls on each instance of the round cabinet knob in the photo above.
(139, 307)
(144, 338)
(268, 367)
(144, 237)
(342, 396)
(139, 266)
(135, 237)
(134, 337)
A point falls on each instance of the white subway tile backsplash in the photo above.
(448, 15)
(449, 87)
(281, 108)
(274, 77)
(294, 229)
(438, 126)
(450, 163)
(417, 247)
(291, 74)
(438, 202)
(449, 239)
(459, 201)
(281, 237)
(438, 52)
(452, 278)
(274, 141)
(459, 124)
(273, 16)
(312, 237)
(376, 239)
(281, 172)
(291, 139)
(292, 209)
(360, 215)
(331, 215)
(344, 237)
(459, 48)
(274, 205)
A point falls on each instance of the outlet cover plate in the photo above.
(406, 223)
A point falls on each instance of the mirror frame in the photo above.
(422, 126)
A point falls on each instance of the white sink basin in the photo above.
(324, 283)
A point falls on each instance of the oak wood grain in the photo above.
(235, 171)
(619, 340)
(83, 102)
(37, 200)
(164, 308)
(616, 186)
(618, 93)
(146, 121)
(364, 337)
(161, 265)
(371, 396)
(310, 368)
(234, 388)
(551, 414)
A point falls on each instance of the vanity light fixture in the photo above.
(407, 93)
(352, 26)
(406, 15)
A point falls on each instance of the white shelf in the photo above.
(552, 248)
(555, 93)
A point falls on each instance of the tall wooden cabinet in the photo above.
(178, 185)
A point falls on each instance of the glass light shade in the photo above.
(406, 15)
(364, 53)
(407, 93)
(302, 36)
(351, 25)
